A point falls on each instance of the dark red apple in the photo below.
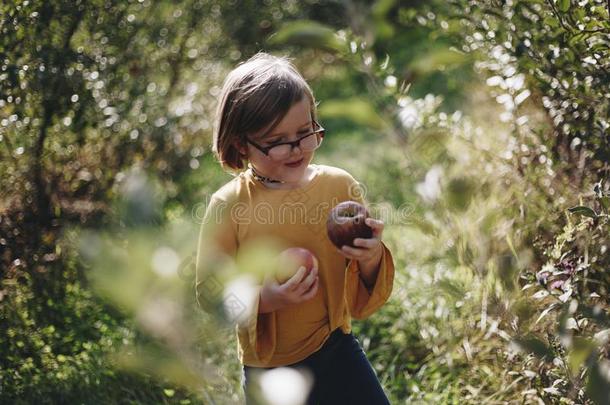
(290, 260)
(346, 223)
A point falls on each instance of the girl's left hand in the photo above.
(366, 250)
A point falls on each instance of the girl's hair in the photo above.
(257, 94)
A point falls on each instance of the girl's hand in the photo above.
(367, 251)
(301, 287)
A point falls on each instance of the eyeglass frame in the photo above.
(266, 149)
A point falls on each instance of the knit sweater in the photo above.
(245, 210)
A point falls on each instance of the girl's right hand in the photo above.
(299, 288)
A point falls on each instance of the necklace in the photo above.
(262, 178)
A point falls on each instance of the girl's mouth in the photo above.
(295, 164)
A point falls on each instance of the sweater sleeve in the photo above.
(259, 333)
(361, 301)
(218, 244)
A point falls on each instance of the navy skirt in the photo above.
(342, 375)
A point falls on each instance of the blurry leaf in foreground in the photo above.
(564, 5)
(257, 258)
(308, 33)
(598, 383)
(180, 370)
(354, 109)
(137, 270)
(581, 350)
(437, 59)
(459, 193)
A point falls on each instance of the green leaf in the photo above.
(550, 22)
(437, 59)
(598, 383)
(564, 5)
(357, 110)
(582, 210)
(309, 34)
(460, 192)
(581, 350)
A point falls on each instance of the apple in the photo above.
(291, 259)
(346, 222)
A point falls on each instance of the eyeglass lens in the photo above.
(306, 144)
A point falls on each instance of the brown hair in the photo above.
(257, 94)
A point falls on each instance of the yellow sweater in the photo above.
(248, 210)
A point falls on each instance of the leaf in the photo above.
(582, 210)
(437, 59)
(564, 5)
(540, 294)
(509, 240)
(566, 295)
(552, 391)
(355, 109)
(550, 22)
(532, 344)
(598, 383)
(581, 350)
(309, 34)
(460, 192)
(545, 312)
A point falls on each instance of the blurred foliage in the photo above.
(486, 131)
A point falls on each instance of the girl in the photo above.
(266, 129)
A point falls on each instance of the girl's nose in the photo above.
(296, 148)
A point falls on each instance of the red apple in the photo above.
(346, 223)
(291, 259)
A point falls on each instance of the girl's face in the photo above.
(295, 124)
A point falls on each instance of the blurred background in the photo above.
(480, 130)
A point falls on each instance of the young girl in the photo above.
(267, 131)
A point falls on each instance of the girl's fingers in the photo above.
(295, 280)
(312, 290)
(376, 225)
(309, 280)
(366, 243)
(352, 252)
(345, 254)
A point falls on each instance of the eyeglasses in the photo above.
(306, 143)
